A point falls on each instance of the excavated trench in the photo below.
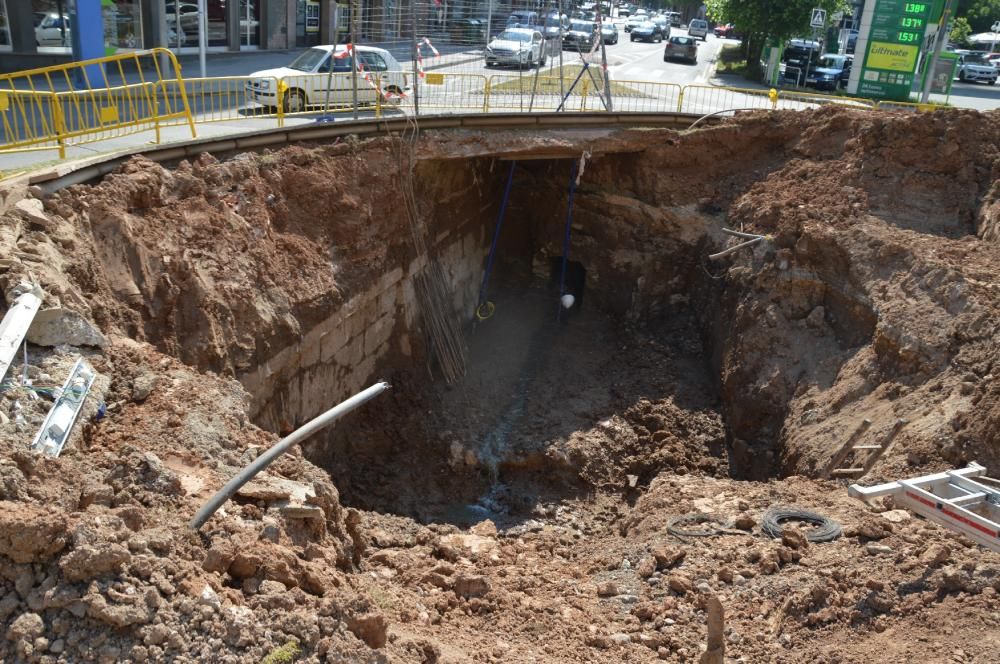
(301, 273)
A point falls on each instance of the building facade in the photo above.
(39, 32)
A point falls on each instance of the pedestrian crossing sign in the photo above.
(818, 18)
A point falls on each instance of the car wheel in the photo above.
(295, 101)
(993, 82)
(541, 63)
(633, 37)
(961, 76)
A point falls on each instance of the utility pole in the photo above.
(354, 56)
(940, 40)
(202, 32)
(414, 47)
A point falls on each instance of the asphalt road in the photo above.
(627, 61)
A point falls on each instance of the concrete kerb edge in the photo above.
(89, 168)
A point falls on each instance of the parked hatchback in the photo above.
(316, 77)
(681, 48)
(698, 28)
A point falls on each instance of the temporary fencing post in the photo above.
(180, 84)
(280, 87)
(155, 108)
(583, 95)
(59, 124)
(680, 99)
(773, 96)
(486, 95)
(378, 96)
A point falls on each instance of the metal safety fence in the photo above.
(55, 107)
(91, 100)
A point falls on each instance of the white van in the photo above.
(698, 28)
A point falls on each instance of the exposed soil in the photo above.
(523, 512)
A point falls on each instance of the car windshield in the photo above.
(647, 24)
(583, 26)
(552, 21)
(309, 60)
(510, 35)
(976, 59)
(682, 41)
(830, 63)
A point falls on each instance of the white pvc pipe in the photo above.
(265, 459)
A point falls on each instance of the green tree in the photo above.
(759, 20)
(960, 31)
(980, 14)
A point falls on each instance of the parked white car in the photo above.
(53, 30)
(518, 47)
(305, 79)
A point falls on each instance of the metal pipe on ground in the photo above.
(265, 459)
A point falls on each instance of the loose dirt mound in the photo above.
(874, 296)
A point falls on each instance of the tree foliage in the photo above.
(781, 19)
(960, 31)
(980, 14)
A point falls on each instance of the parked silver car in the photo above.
(974, 68)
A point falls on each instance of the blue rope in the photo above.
(496, 236)
(569, 223)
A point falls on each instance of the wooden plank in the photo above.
(848, 471)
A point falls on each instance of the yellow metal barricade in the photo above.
(645, 96)
(447, 92)
(90, 100)
(225, 99)
(705, 99)
(795, 100)
(909, 107)
(510, 93)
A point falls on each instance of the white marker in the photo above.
(567, 300)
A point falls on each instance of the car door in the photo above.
(329, 81)
(50, 32)
(374, 64)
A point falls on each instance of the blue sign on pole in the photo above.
(88, 40)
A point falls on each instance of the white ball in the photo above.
(567, 300)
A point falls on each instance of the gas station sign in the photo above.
(896, 30)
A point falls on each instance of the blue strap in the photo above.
(496, 235)
(569, 224)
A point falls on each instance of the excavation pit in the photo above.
(308, 272)
(522, 510)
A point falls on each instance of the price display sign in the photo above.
(898, 28)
